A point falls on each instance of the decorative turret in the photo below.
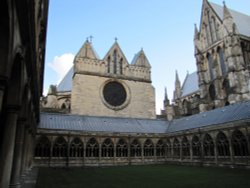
(166, 100)
(177, 92)
(228, 21)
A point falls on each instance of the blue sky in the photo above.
(163, 28)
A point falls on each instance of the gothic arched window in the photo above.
(109, 64)
(121, 148)
(107, 148)
(76, 148)
(208, 145)
(210, 66)
(196, 146)
(92, 148)
(185, 147)
(160, 150)
(60, 147)
(148, 148)
(135, 148)
(222, 61)
(240, 146)
(222, 145)
(42, 148)
(115, 61)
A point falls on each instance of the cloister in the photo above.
(221, 147)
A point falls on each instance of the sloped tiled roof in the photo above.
(231, 113)
(241, 20)
(66, 83)
(190, 84)
(101, 124)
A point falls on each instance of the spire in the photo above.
(166, 100)
(177, 92)
(226, 12)
(196, 32)
(176, 77)
(87, 51)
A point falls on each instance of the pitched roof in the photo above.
(101, 124)
(140, 60)
(66, 83)
(242, 21)
(213, 118)
(190, 84)
(88, 51)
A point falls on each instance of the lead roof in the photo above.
(94, 124)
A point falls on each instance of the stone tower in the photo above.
(222, 56)
(111, 86)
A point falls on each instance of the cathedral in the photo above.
(103, 111)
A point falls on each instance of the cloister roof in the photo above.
(70, 122)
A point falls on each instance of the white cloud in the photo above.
(62, 64)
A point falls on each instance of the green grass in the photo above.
(154, 176)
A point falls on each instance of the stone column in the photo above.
(142, 153)
(191, 150)
(114, 152)
(231, 150)
(84, 152)
(8, 144)
(25, 149)
(16, 167)
(129, 152)
(181, 155)
(215, 152)
(155, 158)
(100, 153)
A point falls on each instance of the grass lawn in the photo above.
(152, 176)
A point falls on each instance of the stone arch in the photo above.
(42, 148)
(208, 145)
(121, 148)
(135, 148)
(239, 143)
(92, 148)
(222, 145)
(160, 148)
(76, 148)
(148, 148)
(59, 147)
(185, 147)
(176, 148)
(107, 148)
(196, 146)
(212, 92)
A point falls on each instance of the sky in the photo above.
(163, 28)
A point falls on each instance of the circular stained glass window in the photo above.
(114, 93)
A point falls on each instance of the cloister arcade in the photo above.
(222, 147)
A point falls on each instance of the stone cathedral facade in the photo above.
(222, 52)
(103, 111)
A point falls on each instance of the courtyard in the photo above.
(150, 176)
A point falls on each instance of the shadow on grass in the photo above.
(154, 176)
